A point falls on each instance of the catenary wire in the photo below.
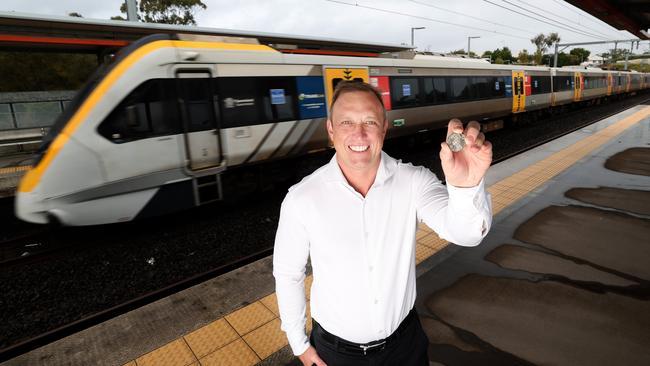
(426, 18)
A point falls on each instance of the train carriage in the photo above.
(154, 131)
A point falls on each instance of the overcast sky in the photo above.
(381, 21)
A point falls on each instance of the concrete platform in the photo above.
(557, 281)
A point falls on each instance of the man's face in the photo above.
(357, 128)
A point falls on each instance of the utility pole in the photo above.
(413, 29)
(627, 55)
(615, 42)
(131, 11)
(468, 40)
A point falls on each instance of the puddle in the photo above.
(548, 323)
(635, 160)
(535, 261)
(630, 200)
(611, 241)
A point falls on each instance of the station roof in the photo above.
(64, 33)
(630, 15)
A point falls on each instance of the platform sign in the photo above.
(335, 74)
(518, 92)
(311, 97)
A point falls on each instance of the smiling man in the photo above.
(356, 218)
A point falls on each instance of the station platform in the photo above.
(12, 168)
(561, 279)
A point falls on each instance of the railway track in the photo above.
(15, 348)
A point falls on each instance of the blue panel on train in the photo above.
(311, 97)
(508, 86)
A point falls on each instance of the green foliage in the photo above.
(179, 12)
(463, 52)
(31, 71)
(542, 43)
(500, 55)
(563, 59)
(524, 57)
(581, 53)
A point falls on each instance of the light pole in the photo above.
(413, 29)
(468, 40)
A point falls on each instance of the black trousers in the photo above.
(409, 349)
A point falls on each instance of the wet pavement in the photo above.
(564, 279)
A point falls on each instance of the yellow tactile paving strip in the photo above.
(14, 169)
(252, 333)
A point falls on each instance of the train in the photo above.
(154, 131)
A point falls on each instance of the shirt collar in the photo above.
(387, 167)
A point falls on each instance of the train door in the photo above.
(628, 82)
(332, 75)
(196, 97)
(577, 87)
(610, 83)
(518, 92)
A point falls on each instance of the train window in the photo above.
(405, 92)
(249, 101)
(482, 87)
(440, 87)
(499, 88)
(278, 96)
(562, 83)
(460, 88)
(197, 99)
(240, 102)
(429, 91)
(149, 110)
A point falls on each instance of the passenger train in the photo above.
(154, 131)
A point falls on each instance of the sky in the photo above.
(448, 23)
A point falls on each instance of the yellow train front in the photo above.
(152, 132)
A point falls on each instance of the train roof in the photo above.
(16, 23)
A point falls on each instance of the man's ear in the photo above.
(330, 128)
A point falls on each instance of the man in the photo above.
(356, 217)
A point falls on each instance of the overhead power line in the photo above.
(469, 16)
(426, 18)
(559, 16)
(539, 20)
(559, 24)
(591, 19)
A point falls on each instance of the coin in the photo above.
(456, 141)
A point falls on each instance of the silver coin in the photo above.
(456, 141)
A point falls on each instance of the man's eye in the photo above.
(345, 123)
(371, 123)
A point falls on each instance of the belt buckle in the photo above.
(366, 348)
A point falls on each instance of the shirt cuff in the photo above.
(475, 195)
(299, 343)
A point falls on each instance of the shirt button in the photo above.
(371, 268)
(376, 301)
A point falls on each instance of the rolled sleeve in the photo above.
(290, 255)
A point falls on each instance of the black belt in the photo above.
(364, 348)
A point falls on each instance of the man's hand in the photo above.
(310, 357)
(467, 167)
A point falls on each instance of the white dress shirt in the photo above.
(363, 249)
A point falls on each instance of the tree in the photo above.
(503, 55)
(581, 53)
(524, 57)
(462, 52)
(165, 11)
(542, 43)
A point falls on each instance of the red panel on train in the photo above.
(381, 83)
